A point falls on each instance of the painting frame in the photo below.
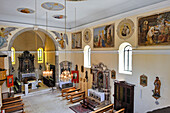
(87, 35)
(76, 40)
(113, 74)
(10, 81)
(75, 76)
(104, 36)
(153, 29)
(143, 80)
(125, 29)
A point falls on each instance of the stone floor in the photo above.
(47, 102)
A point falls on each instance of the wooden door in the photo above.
(124, 96)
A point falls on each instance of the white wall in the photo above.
(146, 63)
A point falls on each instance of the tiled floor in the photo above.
(47, 102)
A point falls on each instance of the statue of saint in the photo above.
(156, 91)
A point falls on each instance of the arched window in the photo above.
(40, 55)
(128, 58)
(125, 58)
(87, 56)
(13, 55)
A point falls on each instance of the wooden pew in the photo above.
(11, 99)
(13, 108)
(71, 91)
(12, 104)
(65, 90)
(104, 109)
(80, 95)
(107, 108)
(121, 111)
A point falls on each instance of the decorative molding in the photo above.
(7, 53)
(23, 51)
(161, 52)
(106, 52)
(68, 51)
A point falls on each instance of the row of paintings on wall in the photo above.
(152, 30)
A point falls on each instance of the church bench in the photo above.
(65, 90)
(121, 110)
(11, 99)
(13, 108)
(109, 109)
(104, 109)
(80, 95)
(70, 91)
(14, 101)
(12, 104)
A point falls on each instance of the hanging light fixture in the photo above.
(47, 72)
(65, 75)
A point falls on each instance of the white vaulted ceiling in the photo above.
(87, 11)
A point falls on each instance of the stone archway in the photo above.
(29, 29)
(45, 32)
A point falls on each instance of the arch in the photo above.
(122, 57)
(45, 32)
(29, 29)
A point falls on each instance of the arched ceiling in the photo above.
(31, 41)
(86, 11)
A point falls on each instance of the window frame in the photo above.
(87, 56)
(40, 55)
(128, 59)
(122, 58)
(13, 55)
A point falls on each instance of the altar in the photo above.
(100, 96)
(65, 84)
(28, 75)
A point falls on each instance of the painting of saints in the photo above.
(103, 36)
(154, 30)
(77, 40)
(125, 30)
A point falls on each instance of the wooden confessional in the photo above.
(124, 96)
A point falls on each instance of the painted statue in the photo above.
(61, 39)
(4, 32)
(156, 91)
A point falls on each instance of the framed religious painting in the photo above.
(103, 37)
(143, 80)
(113, 74)
(125, 29)
(75, 76)
(77, 40)
(87, 35)
(10, 81)
(154, 30)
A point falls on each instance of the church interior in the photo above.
(84, 56)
